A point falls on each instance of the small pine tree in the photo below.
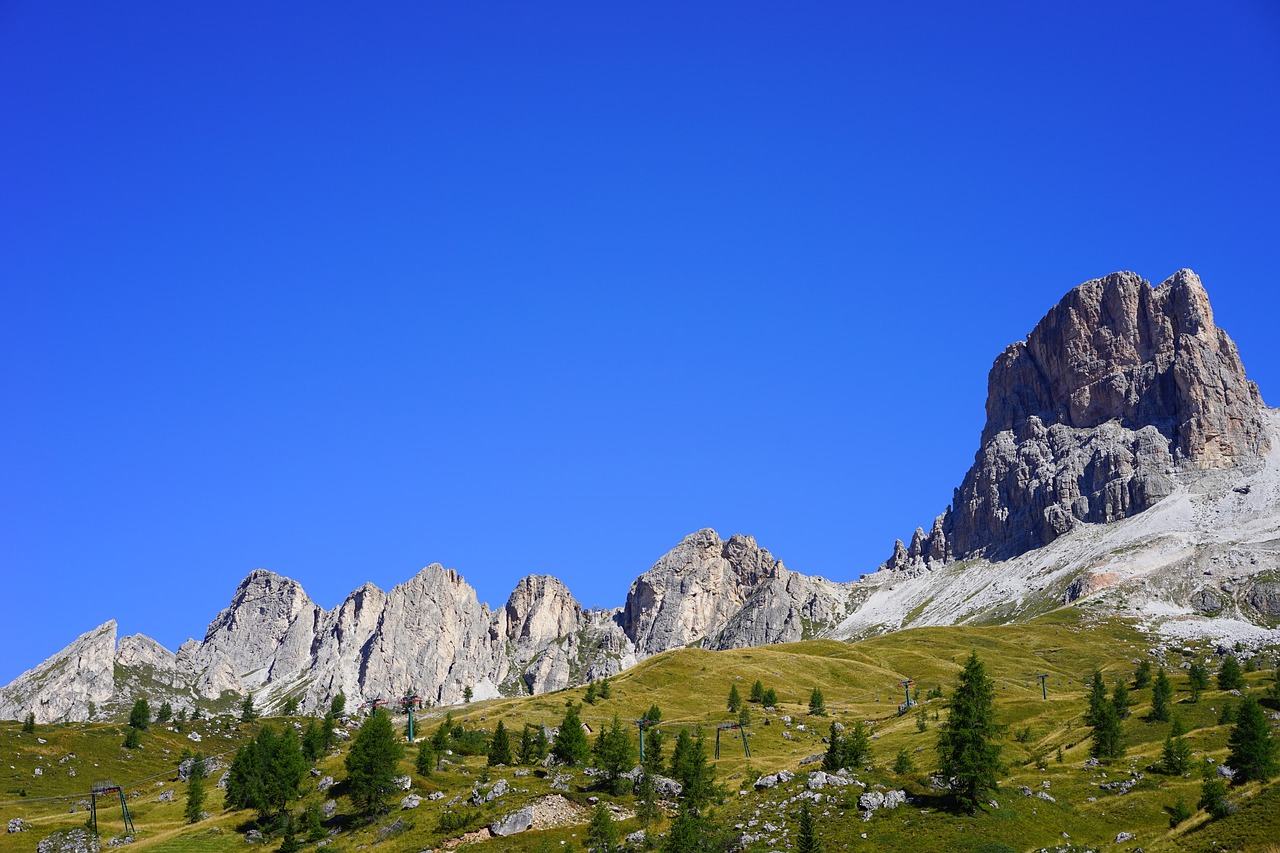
(468, 694)
(312, 823)
(647, 809)
(735, 699)
(425, 761)
(770, 698)
(181, 716)
(312, 741)
(902, 765)
(165, 713)
(1097, 699)
(1161, 693)
(195, 789)
(248, 713)
(744, 716)
(1197, 680)
(614, 752)
(500, 747)
(602, 835)
(132, 738)
(757, 692)
(922, 720)
(140, 716)
(807, 833)
(1229, 676)
(1176, 756)
(654, 714)
(29, 722)
(1252, 746)
(338, 705)
(1120, 699)
(590, 696)
(817, 703)
(831, 760)
(1213, 797)
(606, 689)
(1108, 739)
(1142, 675)
(654, 761)
(969, 756)
(1179, 813)
(855, 749)
(571, 745)
(685, 834)
(290, 708)
(371, 764)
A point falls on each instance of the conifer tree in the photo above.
(903, 764)
(468, 694)
(440, 739)
(654, 762)
(312, 741)
(1213, 797)
(606, 689)
(735, 699)
(140, 716)
(807, 834)
(1176, 756)
(744, 716)
(338, 705)
(647, 809)
(326, 730)
(1120, 700)
(1108, 739)
(770, 698)
(500, 747)
(1097, 699)
(248, 713)
(614, 752)
(290, 707)
(685, 835)
(654, 714)
(1252, 746)
(590, 696)
(602, 835)
(1197, 680)
(571, 745)
(817, 703)
(425, 761)
(757, 692)
(195, 789)
(165, 713)
(1142, 675)
(1161, 693)
(132, 738)
(1230, 676)
(371, 764)
(29, 723)
(690, 768)
(969, 757)
(855, 748)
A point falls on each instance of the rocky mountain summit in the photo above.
(1119, 387)
(1126, 461)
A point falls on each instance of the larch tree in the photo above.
(969, 756)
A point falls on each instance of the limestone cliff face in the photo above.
(1120, 386)
(62, 687)
(725, 595)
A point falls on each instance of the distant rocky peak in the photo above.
(1120, 386)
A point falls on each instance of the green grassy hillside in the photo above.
(1045, 748)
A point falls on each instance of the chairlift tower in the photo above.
(105, 788)
(642, 724)
(909, 704)
(407, 703)
(725, 727)
(1044, 691)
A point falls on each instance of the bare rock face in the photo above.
(724, 595)
(62, 687)
(1120, 386)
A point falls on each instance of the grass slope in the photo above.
(860, 682)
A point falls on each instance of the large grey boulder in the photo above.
(517, 821)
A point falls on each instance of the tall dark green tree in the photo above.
(338, 705)
(248, 713)
(685, 834)
(571, 745)
(654, 714)
(691, 769)
(165, 713)
(648, 811)
(807, 833)
(140, 716)
(1120, 700)
(969, 756)
(267, 773)
(500, 747)
(1229, 676)
(1176, 756)
(1197, 680)
(1252, 746)
(614, 752)
(425, 761)
(195, 789)
(770, 698)
(29, 723)
(1142, 675)
(1161, 694)
(371, 764)
(312, 741)
(757, 691)
(817, 703)
(654, 756)
(1108, 737)
(735, 699)
(132, 738)
(1097, 698)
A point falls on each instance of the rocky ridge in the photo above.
(1125, 460)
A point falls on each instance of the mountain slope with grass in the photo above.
(1052, 793)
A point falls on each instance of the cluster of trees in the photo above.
(762, 696)
(1105, 715)
(850, 750)
(598, 690)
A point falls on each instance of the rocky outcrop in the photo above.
(726, 594)
(63, 687)
(1118, 388)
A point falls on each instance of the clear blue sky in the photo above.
(341, 292)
